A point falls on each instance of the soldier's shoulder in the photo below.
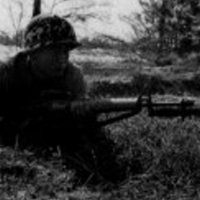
(14, 61)
(20, 59)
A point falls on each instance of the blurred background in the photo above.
(162, 27)
(121, 38)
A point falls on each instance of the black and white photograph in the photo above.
(99, 99)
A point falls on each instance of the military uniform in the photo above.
(21, 85)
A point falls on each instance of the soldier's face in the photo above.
(51, 61)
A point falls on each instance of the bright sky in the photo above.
(112, 8)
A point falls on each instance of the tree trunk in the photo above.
(162, 27)
(36, 8)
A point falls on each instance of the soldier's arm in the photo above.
(6, 73)
(6, 78)
(10, 81)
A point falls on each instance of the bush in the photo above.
(156, 84)
(162, 155)
(139, 83)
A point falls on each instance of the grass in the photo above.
(155, 84)
(168, 151)
(24, 176)
(161, 157)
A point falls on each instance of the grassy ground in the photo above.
(161, 156)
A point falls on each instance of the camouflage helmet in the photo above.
(45, 30)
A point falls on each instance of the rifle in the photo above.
(83, 110)
(124, 107)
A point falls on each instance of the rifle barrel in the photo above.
(160, 109)
(105, 105)
(174, 111)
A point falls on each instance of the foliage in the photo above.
(168, 25)
(166, 153)
(157, 84)
(16, 11)
(103, 42)
(6, 40)
(19, 15)
(23, 175)
(161, 157)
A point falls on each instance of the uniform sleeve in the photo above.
(6, 77)
(6, 74)
(10, 83)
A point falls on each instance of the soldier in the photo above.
(43, 66)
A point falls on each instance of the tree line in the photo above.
(167, 25)
(174, 25)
